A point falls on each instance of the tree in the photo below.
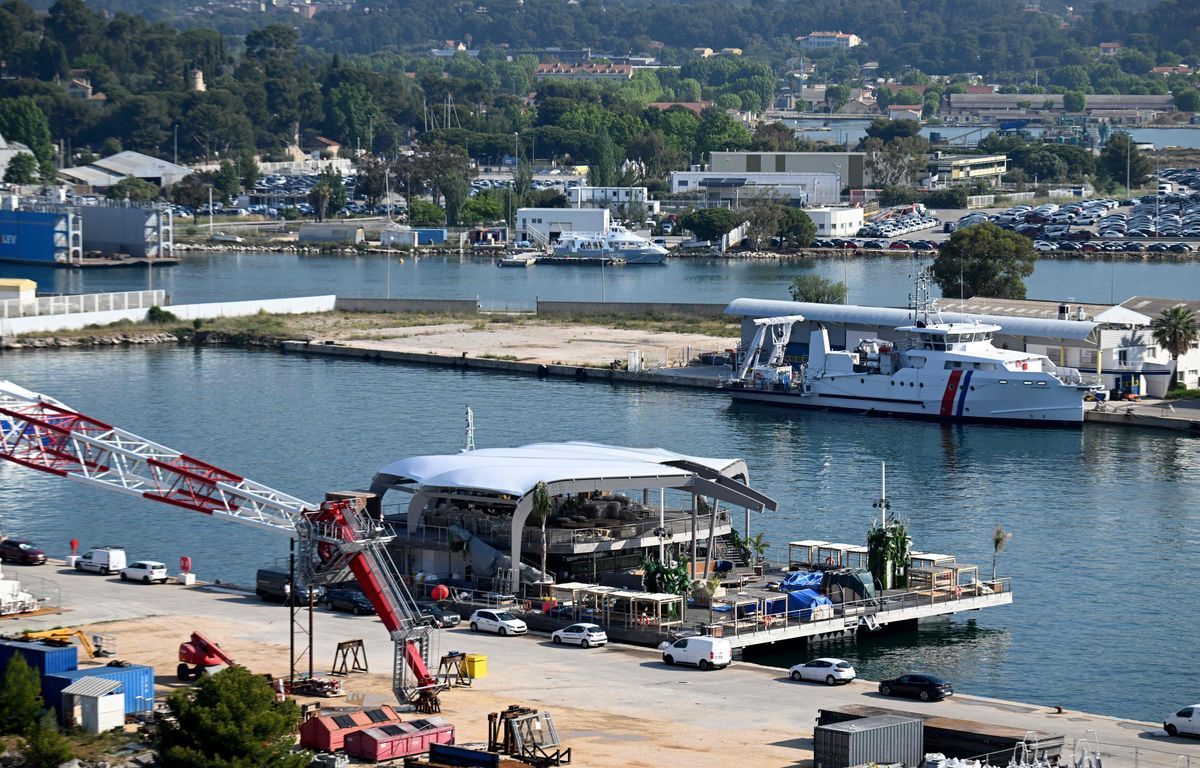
(423, 212)
(710, 223)
(229, 719)
(1187, 100)
(455, 190)
(765, 217)
(332, 179)
(836, 97)
(797, 227)
(226, 182)
(484, 208)
(22, 169)
(889, 130)
(720, 132)
(522, 180)
(984, 260)
(318, 198)
(1175, 330)
(1121, 152)
(22, 120)
(950, 197)
(372, 182)
(134, 189)
(817, 289)
(45, 746)
(192, 190)
(1074, 101)
(602, 168)
(895, 163)
(1000, 539)
(21, 698)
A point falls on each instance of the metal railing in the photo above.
(78, 303)
(759, 621)
(1115, 755)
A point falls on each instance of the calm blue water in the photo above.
(1106, 522)
(851, 131)
(883, 280)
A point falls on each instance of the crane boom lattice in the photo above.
(335, 538)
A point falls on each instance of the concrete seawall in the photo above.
(627, 309)
(396, 306)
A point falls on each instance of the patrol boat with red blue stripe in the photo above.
(937, 370)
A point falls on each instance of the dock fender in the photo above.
(543, 371)
(580, 374)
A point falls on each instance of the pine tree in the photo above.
(45, 746)
(20, 699)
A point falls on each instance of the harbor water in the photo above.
(883, 280)
(1105, 521)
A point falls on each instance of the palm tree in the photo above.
(1000, 539)
(1175, 330)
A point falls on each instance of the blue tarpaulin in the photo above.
(801, 580)
(802, 602)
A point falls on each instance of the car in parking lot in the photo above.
(828, 671)
(348, 600)
(438, 616)
(704, 652)
(21, 552)
(923, 686)
(501, 622)
(102, 560)
(145, 571)
(583, 634)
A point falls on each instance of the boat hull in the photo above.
(1056, 411)
(629, 257)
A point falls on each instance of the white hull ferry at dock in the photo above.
(618, 244)
(936, 369)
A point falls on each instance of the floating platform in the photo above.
(583, 261)
(120, 261)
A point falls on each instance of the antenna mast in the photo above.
(882, 504)
(470, 430)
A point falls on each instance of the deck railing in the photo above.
(756, 622)
(87, 302)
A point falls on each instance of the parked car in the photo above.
(103, 560)
(348, 600)
(1186, 721)
(438, 616)
(276, 586)
(923, 686)
(828, 671)
(22, 552)
(583, 635)
(501, 622)
(145, 571)
(703, 652)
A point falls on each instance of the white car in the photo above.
(828, 671)
(1185, 721)
(501, 622)
(145, 571)
(583, 635)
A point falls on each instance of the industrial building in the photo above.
(43, 235)
(101, 174)
(116, 228)
(982, 106)
(589, 72)
(543, 225)
(626, 202)
(9, 150)
(826, 40)
(948, 170)
(801, 178)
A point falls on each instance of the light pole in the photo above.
(838, 168)
(1128, 147)
(176, 155)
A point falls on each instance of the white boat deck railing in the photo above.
(79, 303)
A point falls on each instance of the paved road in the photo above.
(625, 693)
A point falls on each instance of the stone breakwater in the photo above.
(193, 338)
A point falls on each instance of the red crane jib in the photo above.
(202, 652)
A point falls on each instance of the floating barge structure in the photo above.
(565, 532)
(103, 233)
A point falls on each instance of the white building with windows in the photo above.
(836, 222)
(734, 190)
(543, 225)
(625, 202)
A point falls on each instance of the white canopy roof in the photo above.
(518, 470)
(889, 317)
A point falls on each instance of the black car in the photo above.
(21, 551)
(924, 687)
(349, 600)
(437, 616)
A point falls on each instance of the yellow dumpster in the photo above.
(476, 665)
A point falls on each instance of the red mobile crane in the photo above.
(335, 539)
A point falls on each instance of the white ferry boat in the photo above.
(939, 370)
(617, 243)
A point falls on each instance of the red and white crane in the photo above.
(335, 538)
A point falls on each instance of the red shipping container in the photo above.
(392, 742)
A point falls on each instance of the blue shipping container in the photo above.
(137, 682)
(46, 659)
(31, 237)
(430, 235)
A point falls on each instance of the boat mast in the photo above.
(882, 504)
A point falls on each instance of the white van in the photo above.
(104, 560)
(703, 652)
(1185, 721)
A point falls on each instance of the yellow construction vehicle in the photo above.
(93, 646)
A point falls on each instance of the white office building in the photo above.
(625, 202)
(836, 222)
(543, 225)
